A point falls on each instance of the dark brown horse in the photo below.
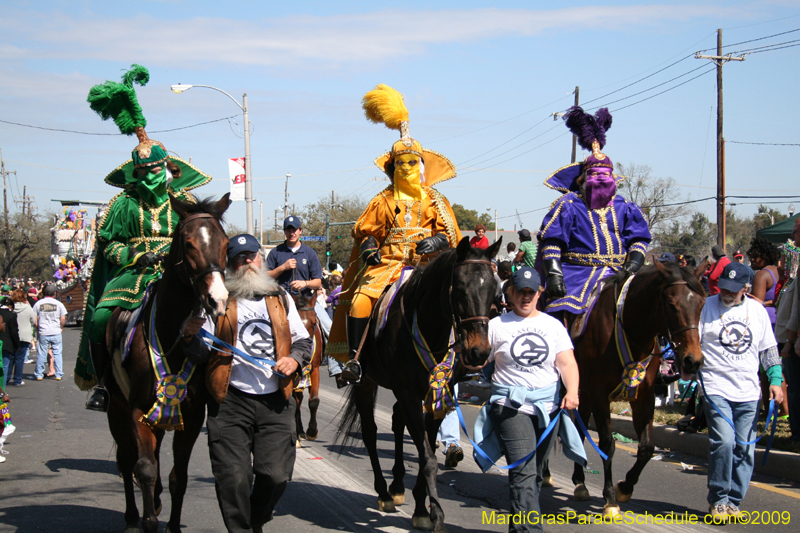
(193, 280)
(664, 299)
(304, 301)
(454, 292)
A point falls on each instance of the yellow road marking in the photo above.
(756, 484)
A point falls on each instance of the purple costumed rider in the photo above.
(590, 232)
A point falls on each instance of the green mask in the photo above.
(152, 188)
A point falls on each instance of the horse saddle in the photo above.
(386, 299)
(578, 326)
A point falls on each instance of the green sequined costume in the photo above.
(129, 227)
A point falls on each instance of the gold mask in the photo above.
(407, 177)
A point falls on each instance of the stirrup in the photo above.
(351, 371)
(98, 400)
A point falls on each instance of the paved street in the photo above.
(60, 475)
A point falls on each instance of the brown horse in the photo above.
(304, 301)
(664, 299)
(192, 281)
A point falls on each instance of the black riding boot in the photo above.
(99, 399)
(355, 331)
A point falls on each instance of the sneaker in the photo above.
(29, 361)
(733, 511)
(10, 429)
(453, 456)
(719, 512)
(21, 383)
(2, 459)
(39, 378)
(58, 379)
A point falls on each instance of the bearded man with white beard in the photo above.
(735, 336)
(251, 428)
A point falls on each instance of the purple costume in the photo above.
(590, 244)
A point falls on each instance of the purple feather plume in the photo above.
(586, 127)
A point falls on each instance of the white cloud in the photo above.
(336, 39)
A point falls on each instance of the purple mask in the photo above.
(600, 187)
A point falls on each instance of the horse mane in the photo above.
(676, 273)
(440, 267)
(206, 205)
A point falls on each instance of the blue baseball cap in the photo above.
(666, 257)
(735, 276)
(526, 278)
(292, 222)
(242, 243)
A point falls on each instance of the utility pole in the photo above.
(286, 197)
(720, 60)
(276, 221)
(574, 138)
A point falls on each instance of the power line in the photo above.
(111, 134)
(667, 90)
(753, 40)
(773, 49)
(508, 141)
(764, 144)
(765, 46)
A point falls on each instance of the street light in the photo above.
(248, 183)
(791, 210)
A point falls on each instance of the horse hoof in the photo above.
(386, 506)
(610, 511)
(158, 509)
(422, 522)
(547, 481)
(132, 528)
(301, 435)
(621, 496)
(297, 444)
(581, 493)
(312, 436)
(398, 499)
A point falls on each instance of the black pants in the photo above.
(251, 440)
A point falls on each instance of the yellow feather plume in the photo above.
(384, 104)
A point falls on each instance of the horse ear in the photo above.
(222, 205)
(178, 207)
(493, 249)
(463, 249)
(701, 268)
(661, 267)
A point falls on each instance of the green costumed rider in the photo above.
(134, 232)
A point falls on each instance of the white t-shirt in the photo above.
(255, 338)
(731, 345)
(524, 351)
(49, 311)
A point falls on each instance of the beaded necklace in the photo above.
(746, 322)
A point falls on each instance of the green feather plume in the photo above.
(117, 101)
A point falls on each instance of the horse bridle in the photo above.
(457, 321)
(178, 260)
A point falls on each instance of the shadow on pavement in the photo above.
(65, 518)
(95, 466)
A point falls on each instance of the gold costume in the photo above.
(398, 218)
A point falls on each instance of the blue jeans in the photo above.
(519, 433)
(8, 358)
(46, 342)
(449, 431)
(730, 464)
(17, 362)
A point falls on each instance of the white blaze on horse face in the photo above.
(218, 292)
(205, 239)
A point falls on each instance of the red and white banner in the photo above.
(236, 169)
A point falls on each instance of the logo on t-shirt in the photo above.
(529, 349)
(255, 337)
(735, 337)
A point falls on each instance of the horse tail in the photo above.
(350, 421)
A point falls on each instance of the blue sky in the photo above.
(480, 80)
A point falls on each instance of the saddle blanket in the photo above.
(387, 298)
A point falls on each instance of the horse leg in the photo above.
(298, 417)
(364, 397)
(182, 445)
(581, 493)
(118, 423)
(159, 487)
(398, 489)
(146, 471)
(642, 412)
(313, 404)
(428, 466)
(602, 418)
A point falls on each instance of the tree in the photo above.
(694, 235)
(344, 209)
(767, 216)
(467, 219)
(650, 194)
(26, 246)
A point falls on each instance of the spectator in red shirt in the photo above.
(479, 240)
(721, 261)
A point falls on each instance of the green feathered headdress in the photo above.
(117, 101)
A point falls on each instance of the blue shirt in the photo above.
(308, 265)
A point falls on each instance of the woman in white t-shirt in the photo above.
(531, 350)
